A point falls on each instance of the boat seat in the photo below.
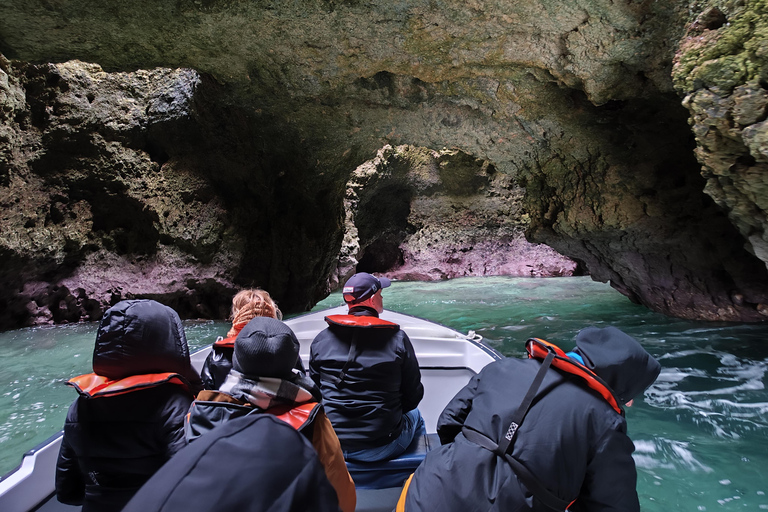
(393, 472)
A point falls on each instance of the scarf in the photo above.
(266, 392)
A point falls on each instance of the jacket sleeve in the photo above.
(328, 448)
(172, 423)
(610, 484)
(314, 372)
(455, 413)
(70, 486)
(411, 389)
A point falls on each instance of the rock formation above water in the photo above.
(180, 150)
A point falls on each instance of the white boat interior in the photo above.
(447, 359)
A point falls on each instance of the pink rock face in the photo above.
(466, 222)
(488, 258)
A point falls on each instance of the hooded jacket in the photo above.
(114, 442)
(369, 377)
(254, 463)
(572, 439)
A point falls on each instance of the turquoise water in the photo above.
(701, 431)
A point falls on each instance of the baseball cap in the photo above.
(362, 286)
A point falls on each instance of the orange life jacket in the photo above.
(297, 416)
(92, 385)
(538, 349)
(225, 342)
(372, 322)
(230, 341)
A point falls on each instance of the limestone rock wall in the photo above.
(418, 214)
(89, 215)
(119, 185)
(571, 102)
(722, 69)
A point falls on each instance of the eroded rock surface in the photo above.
(119, 185)
(418, 214)
(571, 102)
(722, 68)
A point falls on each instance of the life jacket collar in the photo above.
(297, 416)
(92, 385)
(229, 342)
(538, 349)
(225, 342)
(371, 322)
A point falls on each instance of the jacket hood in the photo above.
(618, 359)
(253, 463)
(137, 337)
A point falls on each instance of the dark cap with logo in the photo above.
(362, 286)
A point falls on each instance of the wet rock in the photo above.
(194, 158)
(722, 73)
(414, 213)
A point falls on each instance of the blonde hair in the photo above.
(247, 304)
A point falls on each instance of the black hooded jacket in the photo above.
(571, 439)
(113, 444)
(255, 463)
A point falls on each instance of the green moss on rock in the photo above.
(724, 57)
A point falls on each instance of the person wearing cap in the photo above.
(541, 434)
(264, 379)
(369, 376)
(128, 419)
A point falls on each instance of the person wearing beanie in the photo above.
(129, 418)
(541, 434)
(369, 376)
(264, 379)
(246, 305)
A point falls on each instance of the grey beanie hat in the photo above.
(266, 347)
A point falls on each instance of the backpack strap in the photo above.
(338, 382)
(503, 448)
(522, 410)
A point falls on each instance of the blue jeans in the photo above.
(413, 425)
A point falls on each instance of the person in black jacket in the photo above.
(246, 305)
(542, 434)
(129, 418)
(254, 463)
(369, 376)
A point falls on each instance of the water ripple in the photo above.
(713, 389)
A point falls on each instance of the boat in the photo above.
(447, 359)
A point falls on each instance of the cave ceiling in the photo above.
(259, 113)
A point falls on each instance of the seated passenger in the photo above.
(129, 418)
(255, 463)
(369, 376)
(246, 304)
(264, 379)
(540, 434)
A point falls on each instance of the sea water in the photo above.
(700, 432)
